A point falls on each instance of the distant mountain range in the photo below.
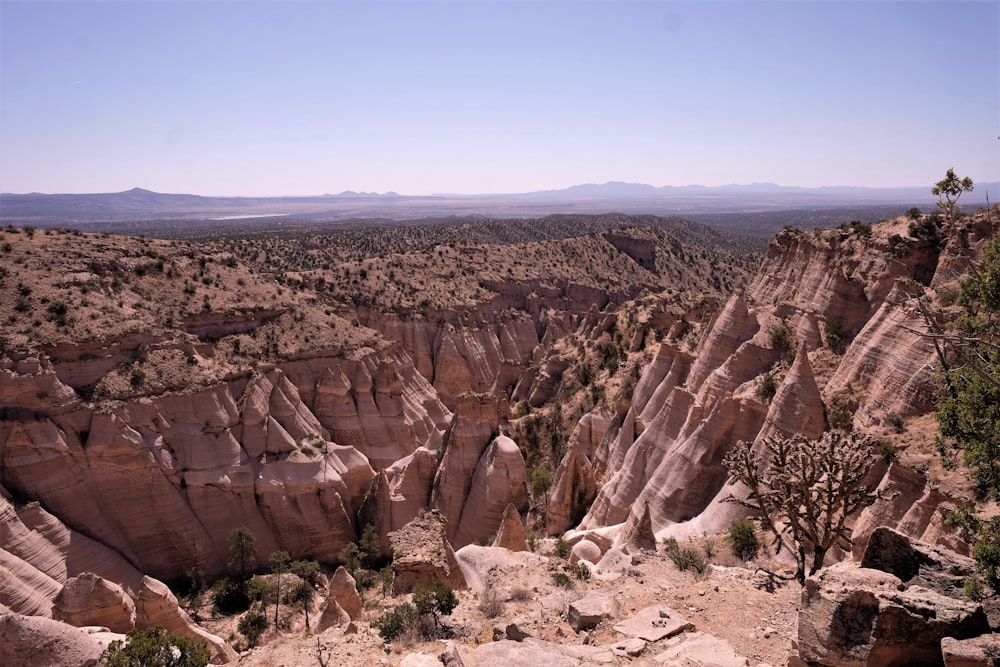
(138, 204)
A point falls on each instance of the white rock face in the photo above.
(498, 481)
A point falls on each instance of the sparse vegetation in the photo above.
(685, 558)
(782, 338)
(767, 386)
(154, 647)
(743, 539)
(491, 605)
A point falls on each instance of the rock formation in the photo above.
(42, 642)
(91, 600)
(423, 555)
(858, 616)
(510, 535)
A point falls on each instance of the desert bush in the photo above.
(839, 413)
(520, 594)
(491, 604)
(804, 490)
(563, 548)
(153, 647)
(252, 625)
(396, 621)
(886, 451)
(835, 336)
(686, 558)
(894, 421)
(783, 338)
(230, 595)
(743, 539)
(973, 589)
(562, 580)
(767, 387)
(579, 570)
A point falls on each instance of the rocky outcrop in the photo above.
(155, 605)
(510, 535)
(343, 603)
(889, 364)
(591, 609)
(858, 616)
(699, 649)
(980, 651)
(90, 600)
(499, 481)
(575, 484)
(42, 642)
(262, 451)
(422, 555)
(906, 500)
(475, 424)
(916, 563)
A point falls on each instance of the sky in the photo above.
(220, 97)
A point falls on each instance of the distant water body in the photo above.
(247, 217)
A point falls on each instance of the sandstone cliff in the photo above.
(842, 301)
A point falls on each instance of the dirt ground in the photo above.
(756, 613)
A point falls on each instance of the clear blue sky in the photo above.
(266, 98)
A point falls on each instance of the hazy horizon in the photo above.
(262, 99)
(763, 185)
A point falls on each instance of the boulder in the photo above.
(585, 550)
(422, 555)
(614, 560)
(917, 563)
(43, 642)
(419, 660)
(654, 623)
(975, 652)
(590, 610)
(698, 649)
(499, 480)
(858, 616)
(92, 600)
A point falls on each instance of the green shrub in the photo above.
(743, 539)
(396, 621)
(562, 548)
(539, 482)
(562, 580)
(894, 421)
(579, 570)
(767, 387)
(973, 589)
(436, 598)
(153, 647)
(230, 595)
(685, 558)
(840, 413)
(252, 625)
(835, 336)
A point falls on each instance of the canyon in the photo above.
(155, 395)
